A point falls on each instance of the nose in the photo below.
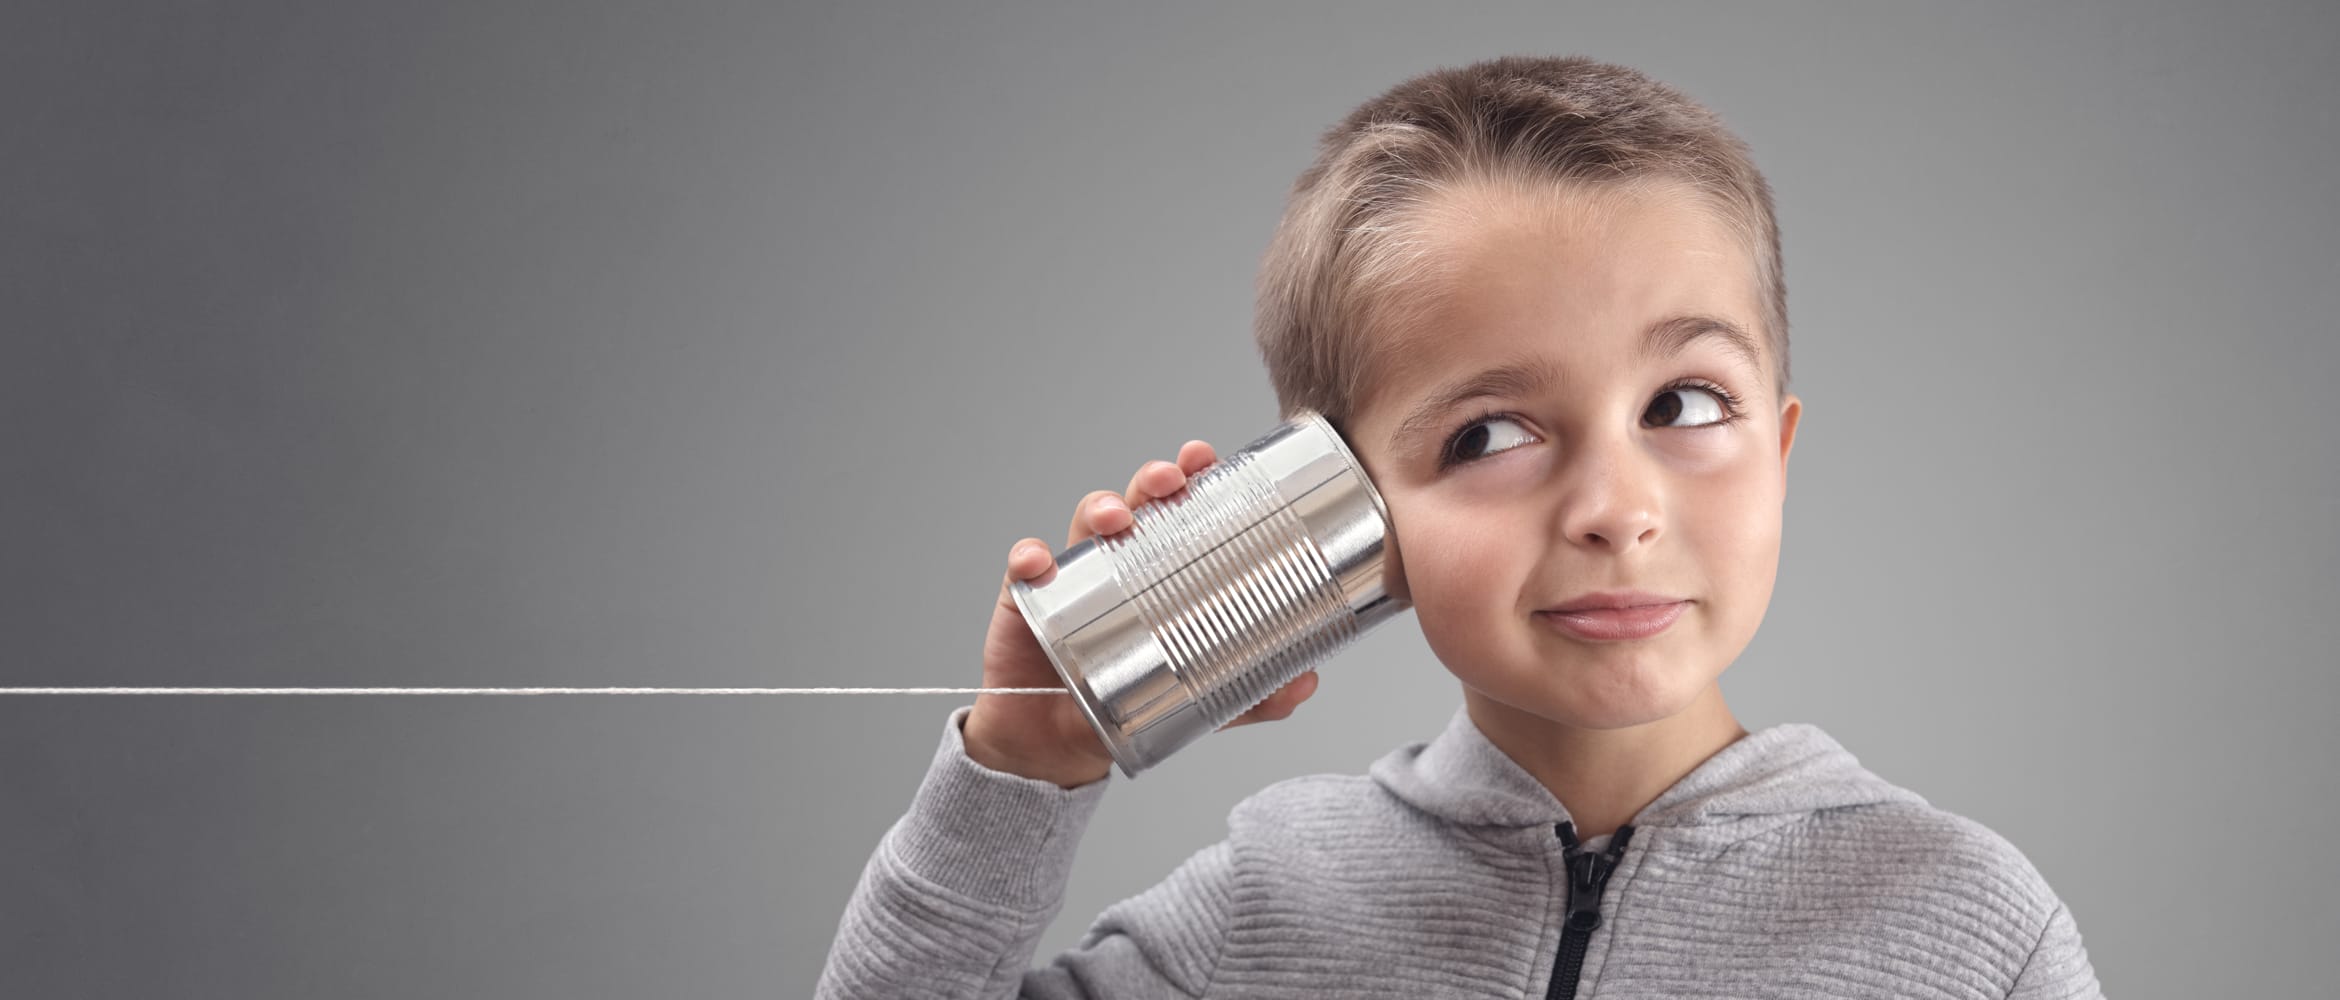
(1612, 497)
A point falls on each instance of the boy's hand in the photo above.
(1046, 736)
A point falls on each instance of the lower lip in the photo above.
(1616, 623)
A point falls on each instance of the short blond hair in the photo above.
(1348, 238)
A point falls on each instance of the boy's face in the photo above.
(1615, 476)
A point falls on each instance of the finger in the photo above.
(1196, 456)
(1158, 479)
(1028, 559)
(1100, 512)
(1279, 705)
(1153, 480)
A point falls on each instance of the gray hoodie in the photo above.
(1779, 867)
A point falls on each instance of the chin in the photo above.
(1609, 694)
(1605, 714)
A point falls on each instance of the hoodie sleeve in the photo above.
(959, 891)
(2058, 968)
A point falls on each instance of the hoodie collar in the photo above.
(1792, 767)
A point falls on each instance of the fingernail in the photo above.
(1110, 503)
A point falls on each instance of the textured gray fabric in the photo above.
(1779, 867)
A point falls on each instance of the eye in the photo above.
(1461, 448)
(1707, 399)
(1718, 406)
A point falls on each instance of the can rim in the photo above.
(1356, 467)
(1115, 743)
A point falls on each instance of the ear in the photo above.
(1789, 413)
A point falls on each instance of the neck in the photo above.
(1604, 777)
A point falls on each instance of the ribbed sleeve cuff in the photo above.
(992, 835)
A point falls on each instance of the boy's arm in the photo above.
(958, 892)
(2058, 968)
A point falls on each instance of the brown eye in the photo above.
(1466, 444)
(1706, 406)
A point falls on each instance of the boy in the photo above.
(1542, 301)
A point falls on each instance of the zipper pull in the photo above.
(1588, 874)
(1584, 892)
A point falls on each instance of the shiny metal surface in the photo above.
(1262, 567)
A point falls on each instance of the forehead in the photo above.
(1581, 287)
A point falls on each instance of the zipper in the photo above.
(1588, 873)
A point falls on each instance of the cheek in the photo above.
(1733, 520)
(1455, 557)
(1724, 452)
(1733, 465)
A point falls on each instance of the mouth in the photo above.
(1619, 624)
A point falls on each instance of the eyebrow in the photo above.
(1665, 338)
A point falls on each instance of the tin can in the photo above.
(1260, 568)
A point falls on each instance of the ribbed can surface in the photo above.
(1265, 565)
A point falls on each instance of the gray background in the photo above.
(488, 344)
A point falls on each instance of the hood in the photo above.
(1789, 768)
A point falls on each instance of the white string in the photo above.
(522, 690)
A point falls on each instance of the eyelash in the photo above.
(1733, 412)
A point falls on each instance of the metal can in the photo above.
(1260, 568)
